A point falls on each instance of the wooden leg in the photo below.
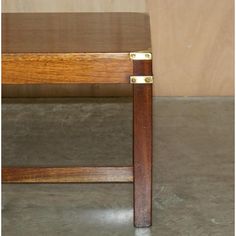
(142, 151)
(142, 146)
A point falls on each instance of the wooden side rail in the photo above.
(66, 174)
(66, 68)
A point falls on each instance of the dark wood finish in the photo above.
(142, 147)
(85, 48)
(67, 174)
(67, 68)
(66, 90)
(80, 48)
(75, 32)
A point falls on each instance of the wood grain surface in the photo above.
(75, 32)
(71, 48)
(67, 174)
(55, 68)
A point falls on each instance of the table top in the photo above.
(75, 32)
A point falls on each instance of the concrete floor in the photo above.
(193, 189)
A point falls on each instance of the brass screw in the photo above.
(132, 55)
(133, 80)
(148, 79)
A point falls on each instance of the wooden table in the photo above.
(86, 48)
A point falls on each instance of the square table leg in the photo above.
(142, 151)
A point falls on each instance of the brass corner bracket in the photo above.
(141, 79)
(140, 56)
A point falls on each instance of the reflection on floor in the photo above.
(193, 166)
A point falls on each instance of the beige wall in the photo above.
(193, 47)
(192, 44)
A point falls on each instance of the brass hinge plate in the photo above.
(141, 79)
(140, 56)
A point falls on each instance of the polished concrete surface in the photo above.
(193, 166)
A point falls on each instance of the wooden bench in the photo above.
(86, 48)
